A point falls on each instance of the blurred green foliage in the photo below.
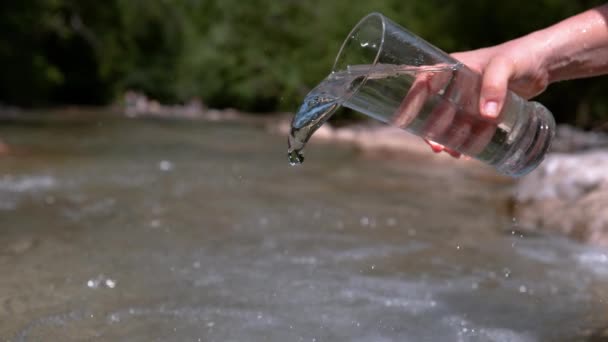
(259, 55)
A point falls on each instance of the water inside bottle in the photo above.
(438, 102)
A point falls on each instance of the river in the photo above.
(167, 230)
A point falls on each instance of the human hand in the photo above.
(510, 66)
(452, 120)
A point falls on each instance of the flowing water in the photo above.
(146, 230)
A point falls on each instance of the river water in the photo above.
(154, 230)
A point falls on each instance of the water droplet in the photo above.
(295, 157)
(165, 165)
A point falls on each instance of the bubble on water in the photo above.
(110, 283)
(364, 221)
(26, 183)
(391, 221)
(196, 264)
(507, 272)
(165, 165)
(304, 260)
(101, 281)
(411, 232)
(114, 318)
(210, 324)
(523, 289)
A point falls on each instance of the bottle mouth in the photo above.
(362, 48)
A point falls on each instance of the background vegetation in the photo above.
(259, 55)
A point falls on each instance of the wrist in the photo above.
(544, 52)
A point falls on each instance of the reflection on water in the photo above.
(152, 230)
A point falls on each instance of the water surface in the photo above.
(148, 230)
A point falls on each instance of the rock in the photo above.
(137, 104)
(567, 193)
(4, 150)
(572, 139)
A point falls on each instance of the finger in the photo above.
(439, 120)
(413, 102)
(494, 84)
(480, 137)
(442, 115)
(434, 146)
(458, 133)
(453, 153)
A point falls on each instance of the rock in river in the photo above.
(568, 193)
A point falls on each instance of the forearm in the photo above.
(576, 47)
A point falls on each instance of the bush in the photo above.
(256, 56)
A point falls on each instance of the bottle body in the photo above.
(441, 103)
(392, 75)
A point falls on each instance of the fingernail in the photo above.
(491, 109)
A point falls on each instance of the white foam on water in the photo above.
(26, 183)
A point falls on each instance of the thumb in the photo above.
(494, 84)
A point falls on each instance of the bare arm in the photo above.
(576, 47)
